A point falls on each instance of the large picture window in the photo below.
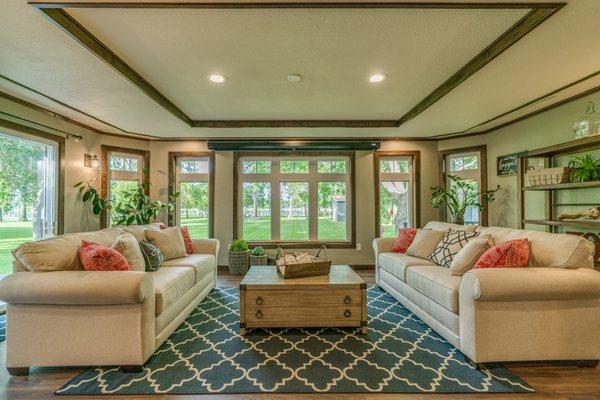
(303, 199)
(192, 175)
(397, 191)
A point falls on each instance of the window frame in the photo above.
(173, 216)
(480, 174)
(238, 180)
(106, 173)
(415, 183)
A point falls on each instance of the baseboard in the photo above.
(358, 267)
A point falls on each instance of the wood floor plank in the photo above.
(551, 382)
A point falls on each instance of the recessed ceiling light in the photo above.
(294, 77)
(217, 78)
(376, 78)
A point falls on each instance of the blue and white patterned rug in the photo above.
(206, 355)
(2, 327)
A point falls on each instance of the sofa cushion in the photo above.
(170, 284)
(436, 283)
(466, 258)
(444, 226)
(130, 248)
(153, 258)
(397, 263)
(138, 230)
(404, 239)
(548, 249)
(61, 253)
(425, 243)
(450, 245)
(169, 241)
(203, 264)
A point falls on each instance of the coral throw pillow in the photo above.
(404, 239)
(511, 254)
(187, 239)
(96, 257)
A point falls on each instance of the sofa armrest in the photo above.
(383, 245)
(530, 284)
(206, 246)
(77, 287)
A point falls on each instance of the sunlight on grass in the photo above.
(12, 234)
(197, 226)
(294, 229)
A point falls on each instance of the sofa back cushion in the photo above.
(61, 253)
(548, 249)
(444, 226)
(138, 230)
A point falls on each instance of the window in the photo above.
(397, 191)
(468, 164)
(191, 174)
(30, 196)
(122, 171)
(296, 198)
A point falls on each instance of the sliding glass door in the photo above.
(28, 192)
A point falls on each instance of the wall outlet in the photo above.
(358, 246)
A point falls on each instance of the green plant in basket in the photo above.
(258, 251)
(238, 245)
(586, 168)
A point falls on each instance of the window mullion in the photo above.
(275, 178)
(313, 201)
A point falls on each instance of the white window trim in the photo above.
(399, 177)
(190, 177)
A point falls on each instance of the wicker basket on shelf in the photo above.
(550, 176)
(296, 265)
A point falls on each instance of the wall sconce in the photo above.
(91, 161)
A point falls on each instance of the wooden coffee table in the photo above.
(335, 300)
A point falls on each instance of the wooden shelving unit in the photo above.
(589, 223)
(572, 185)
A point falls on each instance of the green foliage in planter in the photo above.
(459, 195)
(587, 168)
(135, 206)
(258, 251)
(238, 245)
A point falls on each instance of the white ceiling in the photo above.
(335, 51)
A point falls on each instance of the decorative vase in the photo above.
(588, 124)
(457, 219)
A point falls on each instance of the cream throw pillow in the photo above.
(425, 242)
(169, 241)
(127, 245)
(466, 257)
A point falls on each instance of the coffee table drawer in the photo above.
(257, 316)
(305, 298)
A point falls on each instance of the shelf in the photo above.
(589, 223)
(558, 186)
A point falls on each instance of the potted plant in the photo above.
(586, 169)
(239, 257)
(459, 195)
(258, 256)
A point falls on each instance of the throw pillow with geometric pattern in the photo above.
(451, 244)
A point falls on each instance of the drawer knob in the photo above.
(259, 300)
(347, 313)
(259, 314)
(347, 300)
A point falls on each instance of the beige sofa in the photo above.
(73, 317)
(548, 311)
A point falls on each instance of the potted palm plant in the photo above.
(239, 257)
(459, 195)
(258, 256)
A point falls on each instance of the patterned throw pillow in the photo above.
(96, 257)
(152, 256)
(451, 244)
(404, 239)
(511, 254)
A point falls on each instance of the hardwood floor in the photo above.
(556, 382)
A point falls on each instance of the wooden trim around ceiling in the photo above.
(525, 25)
(104, 173)
(538, 14)
(483, 178)
(61, 142)
(173, 155)
(416, 176)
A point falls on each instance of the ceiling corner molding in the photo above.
(296, 124)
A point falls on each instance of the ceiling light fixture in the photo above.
(217, 78)
(294, 78)
(376, 78)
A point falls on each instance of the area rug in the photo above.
(399, 354)
(2, 327)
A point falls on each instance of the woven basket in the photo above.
(550, 176)
(289, 267)
(258, 260)
(239, 262)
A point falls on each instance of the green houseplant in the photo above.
(134, 207)
(258, 256)
(586, 169)
(239, 257)
(459, 195)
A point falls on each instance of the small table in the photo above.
(335, 300)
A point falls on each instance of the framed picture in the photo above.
(508, 164)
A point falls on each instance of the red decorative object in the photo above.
(511, 254)
(96, 257)
(187, 239)
(404, 239)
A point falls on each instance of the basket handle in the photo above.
(281, 254)
(324, 248)
(531, 167)
(571, 164)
